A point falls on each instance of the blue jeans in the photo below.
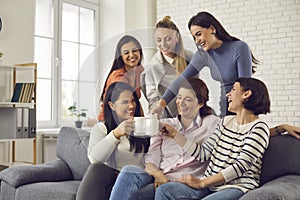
(130, 180)
(180, 191)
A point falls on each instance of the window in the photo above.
(65, 35)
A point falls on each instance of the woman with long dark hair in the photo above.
(111, 145)
(126, 67)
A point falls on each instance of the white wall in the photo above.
(272, 30)
(16, 37)
(117, 17)
(133, 17)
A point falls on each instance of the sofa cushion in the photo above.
(65, 190)
(7, 192)
(281, 158)
(72, 147)
(56, 170)
(283, 188)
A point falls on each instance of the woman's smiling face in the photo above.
(124, 106)
(205, 37)
(130, 55)
(236, 98)
(187, 103)
(166, 40)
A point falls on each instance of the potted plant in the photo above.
(78, 113)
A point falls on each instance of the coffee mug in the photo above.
(146, 126)
(139, 125)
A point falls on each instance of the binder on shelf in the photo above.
(19, 133)
(17, 92)
(25, 113)
(17, 122)
(8, 122)
(26, 123)
(31, 123)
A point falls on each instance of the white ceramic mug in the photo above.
(152, 125)
(146, 126)
(140, 125)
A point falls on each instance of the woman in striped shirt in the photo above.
(235, 149)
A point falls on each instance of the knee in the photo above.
(96, 167)
(160, 190)
(100, 171)
(163, 190)
(132, 169)
(128, 171)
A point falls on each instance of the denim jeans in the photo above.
(130, 180)
(180, 191)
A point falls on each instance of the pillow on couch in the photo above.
(72, 147)
(281, 158)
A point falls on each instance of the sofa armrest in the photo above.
(285, 187)
(281, 158)
(56, 170)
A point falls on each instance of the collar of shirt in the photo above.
(168, 59)
(197, 122)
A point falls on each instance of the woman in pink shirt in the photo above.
(166, 160)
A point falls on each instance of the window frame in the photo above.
(56, 62)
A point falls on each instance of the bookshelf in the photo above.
(18, 119)
(22, 112)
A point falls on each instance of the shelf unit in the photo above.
(18, 119)
(14, 69)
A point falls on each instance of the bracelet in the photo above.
(277, 130)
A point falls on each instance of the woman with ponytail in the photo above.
(166, 65)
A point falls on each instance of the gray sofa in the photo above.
(59, 180)
(56, 180)
(280, 175)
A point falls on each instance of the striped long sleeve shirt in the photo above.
(235, 150)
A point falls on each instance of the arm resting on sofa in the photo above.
(52, 171)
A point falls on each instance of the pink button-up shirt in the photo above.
(170, 158)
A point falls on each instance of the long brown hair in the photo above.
(118, 60)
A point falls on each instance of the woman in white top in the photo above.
(111, 145)
(167, 63)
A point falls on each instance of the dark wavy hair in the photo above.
(202, 94)
(118, 61)
(110, 119)
(259, 101)
(206, 20)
